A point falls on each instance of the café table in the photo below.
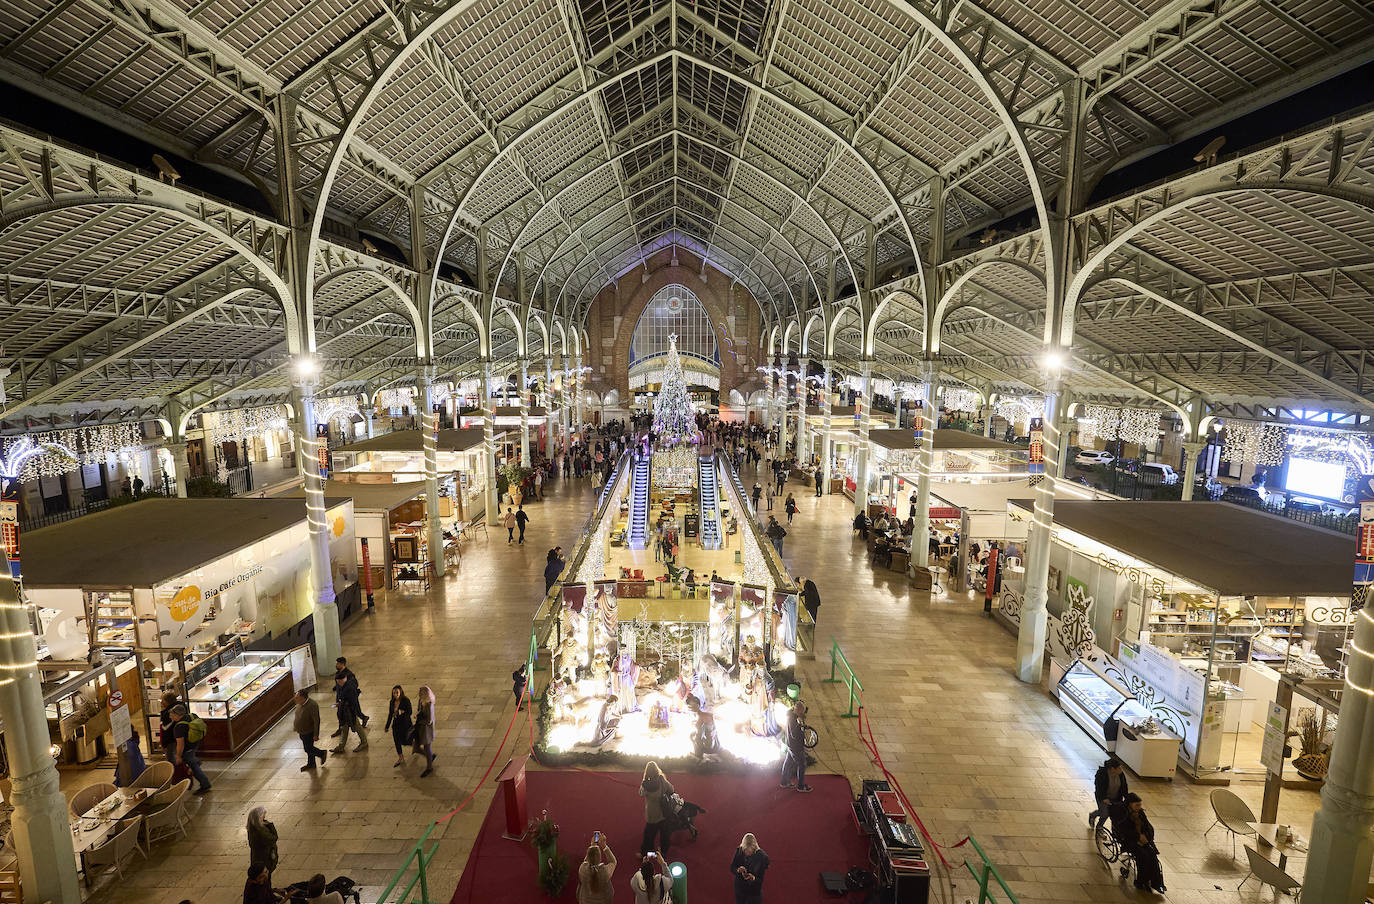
(104, 820)
(1267, 832)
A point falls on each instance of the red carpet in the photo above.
(803, 834)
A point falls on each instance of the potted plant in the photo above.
(553, 874)
(1314, 755)
(553, 866)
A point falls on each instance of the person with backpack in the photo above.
(775, 532)
(188, 731)
(648, 884)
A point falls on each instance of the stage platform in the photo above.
(803, 834)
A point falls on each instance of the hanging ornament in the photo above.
(238, 424)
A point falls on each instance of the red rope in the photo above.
(492, 765)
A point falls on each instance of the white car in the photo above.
(1088, 457)
(1154, 472)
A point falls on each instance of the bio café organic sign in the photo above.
(186, 602)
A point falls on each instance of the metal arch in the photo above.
(870, 329)
(422, 341)
(533, 316)
(518, 331)
(806, 330)
(676, 133)
(1003, 110)
(945, 304)
(771, 340)
(562, 334)
(792, 325)
(634, 224)
(475, 319)
(773, 230)
(833, 332)
(1080, 282)
(558, 251)
(1260, 348)
(232, 243)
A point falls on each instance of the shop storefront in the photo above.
(1198, 610)
(384, 513)
(958, 457)
(187, 587)
(400, 458)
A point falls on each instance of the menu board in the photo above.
(221, 657)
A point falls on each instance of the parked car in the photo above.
(1304, 505)
(1154, 472)
(1254, 497)
(1090, 457)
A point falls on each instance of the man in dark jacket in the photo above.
(519, 679)
(1109, 788)
(306, 724)
(346, 701)
(820, 480)
(794, 764)
(811, 597)
(341, 668)
(775, 532)
(1138, 838)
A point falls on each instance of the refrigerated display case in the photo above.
(241, 699)
(1093, 701)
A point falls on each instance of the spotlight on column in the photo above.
(306, 366)
(1053, 360)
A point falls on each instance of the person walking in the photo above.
(165, 740)
(756, 494)
(594, 873)
(775, 532)
(790, 506)
(820, 480)
(553, 567)
(305, 722)
(794, 764)
(654, 788)
(188, 732)
(769, 494)
(1109, 787)
(648, 884)
(346, 705)
(424, 729)
(521, 519)
(508, 521)
(341, 668)
(398, 722)
(262, 841)
(748, 866)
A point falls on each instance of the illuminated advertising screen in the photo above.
(1308, 477)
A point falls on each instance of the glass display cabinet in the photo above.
(241, 699)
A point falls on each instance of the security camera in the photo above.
(165, 171)
(370, 248)
(1208, 154)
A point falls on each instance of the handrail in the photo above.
(420, 856)
(851, 681)
(989, 871)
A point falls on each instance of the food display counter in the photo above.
(240, 700)
(1115, 719)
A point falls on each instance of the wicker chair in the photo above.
(155, 776)
(89, 796)
(1232, 814)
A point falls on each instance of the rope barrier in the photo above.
(492, 765)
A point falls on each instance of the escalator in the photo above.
(639, 502)
(708, 499)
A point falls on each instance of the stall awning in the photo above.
(145, 543)
(951, 440)
(1233, 550)
(459, 440)
(367, 497)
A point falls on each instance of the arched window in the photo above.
(674, 311)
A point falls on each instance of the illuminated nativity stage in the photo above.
(654, 659)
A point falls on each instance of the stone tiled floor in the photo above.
(976, 750)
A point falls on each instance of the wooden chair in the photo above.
(88, 797)
(1232, 814)
(155, 777)
(116, 851)
(1269, 874)
(169, 817)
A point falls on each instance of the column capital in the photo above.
(1193, 448)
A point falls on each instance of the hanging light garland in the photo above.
(327, 410)
(398, 397)
(57, 452)
(755, 568)
(959, 399)
(32, 457)
(1020, 410)
(238, 424)
(1246, 441)
(1131, 425)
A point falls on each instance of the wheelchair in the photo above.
(1111, 850)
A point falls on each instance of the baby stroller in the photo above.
(346, 887)
(681, 814)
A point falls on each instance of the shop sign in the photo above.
(1271, 753)
(1035, 465)
(943, 513)
(120, 724)
(9, 533)
(187, 600)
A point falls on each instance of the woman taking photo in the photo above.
(424, 729)
(594, 873)
(749, 865)
(653, 789)
(398, 722)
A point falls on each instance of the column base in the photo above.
(1342, 847)
(42, 837)
(1030, 644)
(328, 641)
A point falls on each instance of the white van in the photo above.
(1152, 472)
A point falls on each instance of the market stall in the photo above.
(1198, 609)
(382, 514)
(399, 457)
(188, 587)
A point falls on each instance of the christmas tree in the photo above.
(674, 420)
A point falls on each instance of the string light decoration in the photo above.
(1329, 447)
(345, 407)
(755, 568)
(396, 397)
(239, 424)
(32, 457)
(674, 419)
(594, 562)
(959, 399)
(1020, 410)
(470, 388)
(1132, 425)
(1248, 441)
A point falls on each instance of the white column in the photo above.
(524, 413)
(326, 612)
(987, 411)
(429, 428)
(861, 452)
(368, 411)
(804, 363)
(827, 447)
(1342, 844)
(1190, 454)
(777, 383)
(549, 433)
(181, 465)
(1061, 433)
(42, 830)
(925, 459)
(489, 444)
(1030, 641)
(577, 392)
